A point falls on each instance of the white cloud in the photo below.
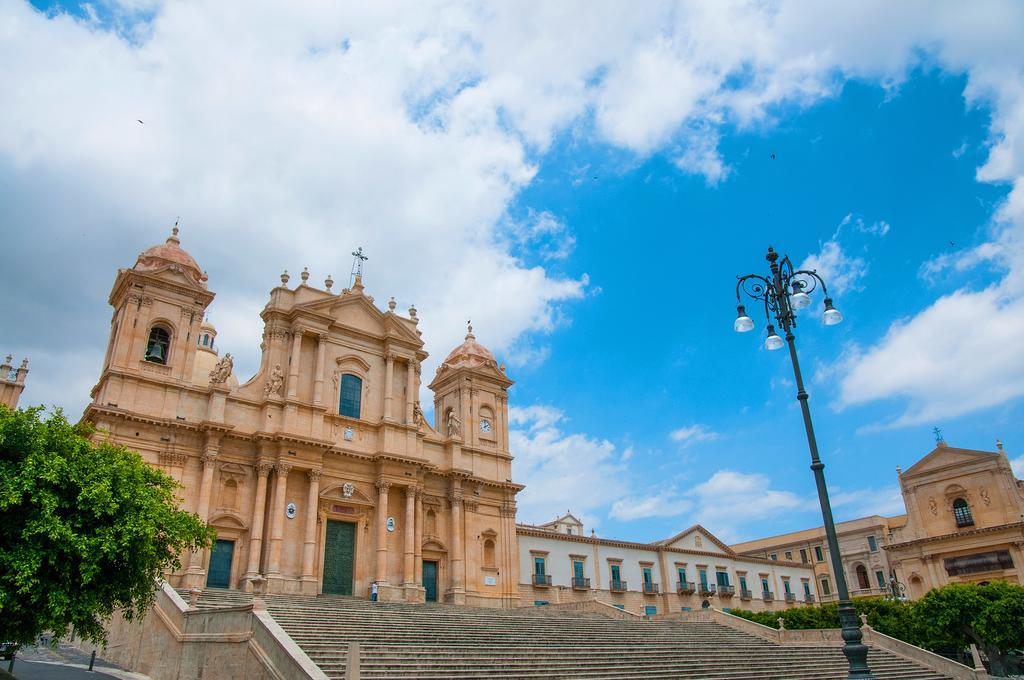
(957, 356)
(885, 501)
(691, 434)
(663, 504)
(561, 470)
(545, 233)
(840, 271)
(285, 137)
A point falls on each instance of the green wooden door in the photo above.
(430, 580)
(219, 573)
(339, 557)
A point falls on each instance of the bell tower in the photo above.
(158, 308)
(471, 398)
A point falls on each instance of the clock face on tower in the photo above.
(485, 425)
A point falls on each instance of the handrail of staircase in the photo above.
(937, 662)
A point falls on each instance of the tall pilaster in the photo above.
(293, 366)
(259, 510)
(281, 471)
(197, 559)
(389, 385)
(309, 545)
(418, 559)
(382, 531)
(411, 389)
(318, 375)
(455, 559)
(409, 529)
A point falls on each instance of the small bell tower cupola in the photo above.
(159, 305)
(471, 397)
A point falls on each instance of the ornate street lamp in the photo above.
(783, 293)
(897, 591)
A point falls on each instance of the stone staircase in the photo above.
(439, 642)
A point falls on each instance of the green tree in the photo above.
(84, 528)
(988, 615)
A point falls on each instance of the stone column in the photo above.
(309, 546)
(455, 558)
(277, 519)
(389, 381)
(408, 573)
(293, 366)
(418, 539)
(500, 425)
(259, 510)
(206, 488)
(382, 531)
(411, 389)
(318, 376)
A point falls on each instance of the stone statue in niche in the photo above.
(222, 370)
(454, 425)
(275, 382)
(417, 414)
(933, 506)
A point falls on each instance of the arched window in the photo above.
(962, 513)
(862, 578)
(489, 553)
(351, 395)
(159, 343)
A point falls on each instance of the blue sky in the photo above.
(586, 186)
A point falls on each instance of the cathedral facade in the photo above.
(319, 474)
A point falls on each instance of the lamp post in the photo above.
(784, 292)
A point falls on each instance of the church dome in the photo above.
(470, 354)
(170, 255)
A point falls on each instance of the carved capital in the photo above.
(382, 485)
(455, 497)
(391, 356)
(263, 468)
(172, 458)
(210, 457)
(314, 474)
(321, 337)
(416, 367)
(283, 468)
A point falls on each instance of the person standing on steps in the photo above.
(373, 592)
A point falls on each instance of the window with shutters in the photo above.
(351, 395)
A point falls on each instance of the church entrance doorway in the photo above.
(339, 557)
(219, 573)
(430, 579)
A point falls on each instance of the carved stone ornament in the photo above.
(275, 382)
(984, 496)
(698, 541)
(263, 468)
(454, 425)
(349, 434)
(222, 370)
(933, 506)
(314, 474)
(347, 489)
(417, 414)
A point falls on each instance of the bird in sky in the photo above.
(140, 122)
(772, 156)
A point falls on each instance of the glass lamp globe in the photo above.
(832, 315)
(743, 322)
(773, 341)
(799, 300)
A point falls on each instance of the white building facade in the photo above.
(693, 569)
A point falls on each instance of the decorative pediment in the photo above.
(945, 457)
(435, 545)
(232, 471)
(228, 520)
(358, 311)
(698, 538)
(345, 492)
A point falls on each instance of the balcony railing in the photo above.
(767, 595)
(684, 587)
(542, 580)
(808, 598)
(706, 589)
(746, 594)
(650, 588)
(617, 586)
(580, 583)
(790, 597)
(726, 591)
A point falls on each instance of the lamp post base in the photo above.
(854, 649)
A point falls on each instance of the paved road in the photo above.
(37, 670)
